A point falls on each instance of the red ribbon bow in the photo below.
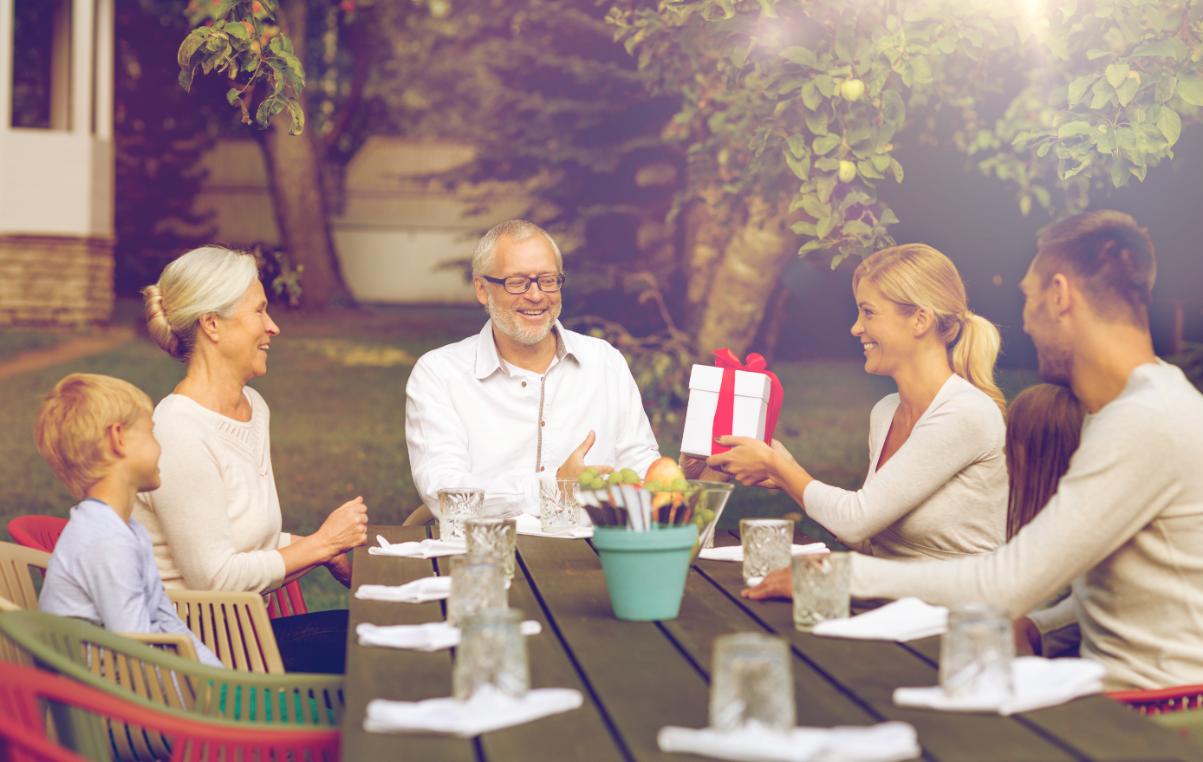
(727, 360)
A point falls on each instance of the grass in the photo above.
(15, 341)
(337, 393)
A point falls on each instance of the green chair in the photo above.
(122, 667)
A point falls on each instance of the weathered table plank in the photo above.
(635, 671)
(393, 673)
(871, 670)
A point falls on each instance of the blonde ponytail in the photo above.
(974, 353)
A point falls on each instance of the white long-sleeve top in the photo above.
(473, 420)
(943, 494)
(103, 571)
(215, 521)
(1125, 526)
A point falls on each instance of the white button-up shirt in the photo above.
(471, 419)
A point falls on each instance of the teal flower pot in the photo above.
(645, 571)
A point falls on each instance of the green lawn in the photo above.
(336, 390)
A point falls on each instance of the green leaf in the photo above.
(804, 228)
(866, 169)
(1119, 173)
(825, 144)
(887, 217)
(1116, 73)
(799, 166)
(826, 85)
(232, 95)
(881, 162)
(810, 96)
(1074, 129)
(1102, 95)
(813, 206)
(797, 145)
(824, 187)
(237, 30)
(267, 110)
(799, 55)
(1171, 47)
(1190, 89)
(1127, 91)
(896, 169)
(857, 228)
(298, 116)
(816, 122)
(1078, 87)
(191, 44)
(893, 110)
(825, 226)
(1025, 205)
(921, 71)
(1170, 125)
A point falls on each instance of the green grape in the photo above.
(628, 476)
(679, 484)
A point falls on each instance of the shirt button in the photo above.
(542, 423)
(540, 469)
(523, 384)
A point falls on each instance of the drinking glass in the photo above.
(766, 546)
(559, 508)
(476, 584)
(752, 680)
(821, 588)
(491, 652)
(976, 653)
(493, 539)
(455, 505)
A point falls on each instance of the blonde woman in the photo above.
(216, 521)
(937, 480)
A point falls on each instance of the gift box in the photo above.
(729, 397)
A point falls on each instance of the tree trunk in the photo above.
(744, 281)
(769, 334)
(705, 237)
(294, 170)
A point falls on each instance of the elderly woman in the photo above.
(216, 522)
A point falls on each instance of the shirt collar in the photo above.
(489, 362)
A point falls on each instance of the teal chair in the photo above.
(127, 669)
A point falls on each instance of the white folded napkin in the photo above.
(488, 710)
(434, 636)
(886, 742)
(530, 525)
(423, 549)
(1037, 683)
(418, 591)
(904, 619)
(736, 552)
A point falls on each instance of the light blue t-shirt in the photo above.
(103, 571)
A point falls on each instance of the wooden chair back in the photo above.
(234, 626)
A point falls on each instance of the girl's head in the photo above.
(894, 284)
(1044, 423)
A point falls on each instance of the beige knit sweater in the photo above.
(215, 521)
(1125, 527)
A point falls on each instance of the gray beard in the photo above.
(507, 323)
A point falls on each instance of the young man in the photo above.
(524, 399)
(96, 433)
(1126, 523)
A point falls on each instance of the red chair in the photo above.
(24, 693)
(37, 532)
(1178, 698)
(42, 532)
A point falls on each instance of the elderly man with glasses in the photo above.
(525, 399)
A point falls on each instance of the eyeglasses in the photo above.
(520, 284)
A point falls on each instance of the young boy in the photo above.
(96, 433)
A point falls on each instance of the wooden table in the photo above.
(638, 677)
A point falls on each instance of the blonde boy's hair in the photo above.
(74, 421)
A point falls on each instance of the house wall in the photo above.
(397, 233)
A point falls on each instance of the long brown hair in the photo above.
(1044, 424)
(915, 275)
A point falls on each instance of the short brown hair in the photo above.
(1111, 256)
(1044, 426)
(74, 420)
